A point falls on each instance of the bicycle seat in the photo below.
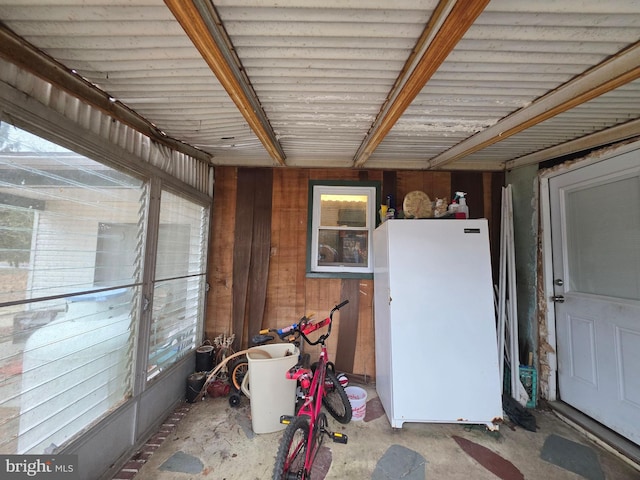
(261, 339)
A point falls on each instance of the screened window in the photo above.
(341, 228)
(71, 237)
(179, 282)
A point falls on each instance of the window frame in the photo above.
(152, 183)
(190, 334)
(89, 327)
(316, 187)
(71, 123)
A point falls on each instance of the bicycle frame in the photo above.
(314, 395)
(312, 406)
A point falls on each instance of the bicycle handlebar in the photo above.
(304, 327)
(338, 307)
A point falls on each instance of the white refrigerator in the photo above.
(435, 330)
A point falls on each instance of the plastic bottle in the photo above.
(391, 207)
(463, 209)
(453, 208)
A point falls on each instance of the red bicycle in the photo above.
(305, 431)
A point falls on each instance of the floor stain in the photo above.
(374, 410)
(490, 460)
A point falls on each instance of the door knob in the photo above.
(559, 282)
(558, 298)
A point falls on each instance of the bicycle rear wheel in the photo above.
(239, 368)
(292, 451)
(335, 399)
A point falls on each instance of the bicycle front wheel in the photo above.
(335, 399)
(293, 449)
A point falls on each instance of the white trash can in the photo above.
(270, 392)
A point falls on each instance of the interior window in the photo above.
(341, 228)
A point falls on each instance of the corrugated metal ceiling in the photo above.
(342, 83)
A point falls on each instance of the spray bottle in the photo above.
(463, 209)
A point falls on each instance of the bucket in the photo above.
(195, 382)
(358, 400)
(204, 358)
(270, 392)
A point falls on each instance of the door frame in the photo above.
(549, 384)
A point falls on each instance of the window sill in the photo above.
(363, 275)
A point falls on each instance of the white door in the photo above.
(595, 214)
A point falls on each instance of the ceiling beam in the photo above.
(615, 134)
(21, 53)
(608, 75)
(202, 25)
(450, 21)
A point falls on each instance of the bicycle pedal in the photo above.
(339, 437)
(286, 419)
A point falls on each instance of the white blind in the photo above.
(180, 280)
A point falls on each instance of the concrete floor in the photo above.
(211, 440)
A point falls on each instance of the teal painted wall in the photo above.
(524, 184)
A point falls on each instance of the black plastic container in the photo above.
(204, 358)
(195, 382)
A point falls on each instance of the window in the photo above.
(178, 302)
(72, 247)
(342, 220)
(78, 239)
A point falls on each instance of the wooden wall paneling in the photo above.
(426, 182)
(322, 174)
(375, 175)
(289, 294)
(334, 174)
(315, 306)
(389, 185)
(277, 203)
(220, 258)
(487, 193)
(434, 184)
(260, 251)
(286, 289)
(300, 213)
(407, 181)
(243, 237)
(365, 359)
(348, 329)
(321, 295)
(441, 186)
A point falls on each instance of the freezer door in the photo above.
(444, 365)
